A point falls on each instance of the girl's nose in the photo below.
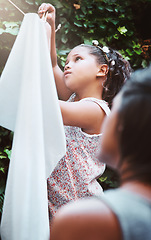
(67, 66)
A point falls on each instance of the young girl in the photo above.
(92, 77)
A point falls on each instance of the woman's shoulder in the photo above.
(90, 218)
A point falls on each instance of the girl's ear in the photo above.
(103, 70)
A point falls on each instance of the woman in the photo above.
(123, 213)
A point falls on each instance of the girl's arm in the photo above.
(63, 91)
(87, 115)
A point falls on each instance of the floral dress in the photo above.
(75, 174)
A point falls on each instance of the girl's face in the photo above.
(81, 69)
(109, 152)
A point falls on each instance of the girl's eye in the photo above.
(66, 63)
(78, 58)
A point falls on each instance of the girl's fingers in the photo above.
(46, 7)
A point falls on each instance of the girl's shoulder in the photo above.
(103, 104)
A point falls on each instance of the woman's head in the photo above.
(130, 128)
(119, 69)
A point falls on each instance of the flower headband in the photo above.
(104, 49)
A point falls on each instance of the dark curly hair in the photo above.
(119, 70)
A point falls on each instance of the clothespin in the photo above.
(16, 7)
(59, 26)
(44, 17)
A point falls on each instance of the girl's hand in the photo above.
(46, 7)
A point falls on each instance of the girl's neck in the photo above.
(79, 97)
(90, 93)
(92, 90)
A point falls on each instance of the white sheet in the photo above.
(29, 107)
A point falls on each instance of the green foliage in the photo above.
(5, 152)
(109, 179)
(111, 22)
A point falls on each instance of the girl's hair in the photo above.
(134, 117)
(119, 70)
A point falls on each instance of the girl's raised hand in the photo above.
(47, 7)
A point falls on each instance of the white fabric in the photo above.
(29, 107)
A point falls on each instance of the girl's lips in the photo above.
(66, 73)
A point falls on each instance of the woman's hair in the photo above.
(134, 117)
(119, 70)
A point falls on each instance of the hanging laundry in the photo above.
(29, 107)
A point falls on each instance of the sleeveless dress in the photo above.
(132, 211)
(75, 174)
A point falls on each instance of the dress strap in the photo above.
(103, 104)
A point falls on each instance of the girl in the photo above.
(124, 213)
(92, 77)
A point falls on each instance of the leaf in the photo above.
(13, 31)
(102, 26)
(130, 53)
(138, 51)
(8, 152)
(78, 23)
(2, 170)
(64, 39)
(87, 41)
(116, 36)
(144, 63)
(122, 30)
(101, 8)
(84, 10)
(109, 9)
(2, 157)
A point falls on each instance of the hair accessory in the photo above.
(112, 62)
(105, 49)
(95, 42)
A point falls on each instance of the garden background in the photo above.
(124, 25)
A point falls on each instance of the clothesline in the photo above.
(16, 7)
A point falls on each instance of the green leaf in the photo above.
(102, 26)
(64, 39)
(2, 169)
(110, 9)
(115, 22)
(138, 51)
(2, 157)
(116, 36)
(13, 31)
(78, 24)
(101, 8)
(84, 10)
(144, 63)
(122, 30)
(8, 152)
(130, 53)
